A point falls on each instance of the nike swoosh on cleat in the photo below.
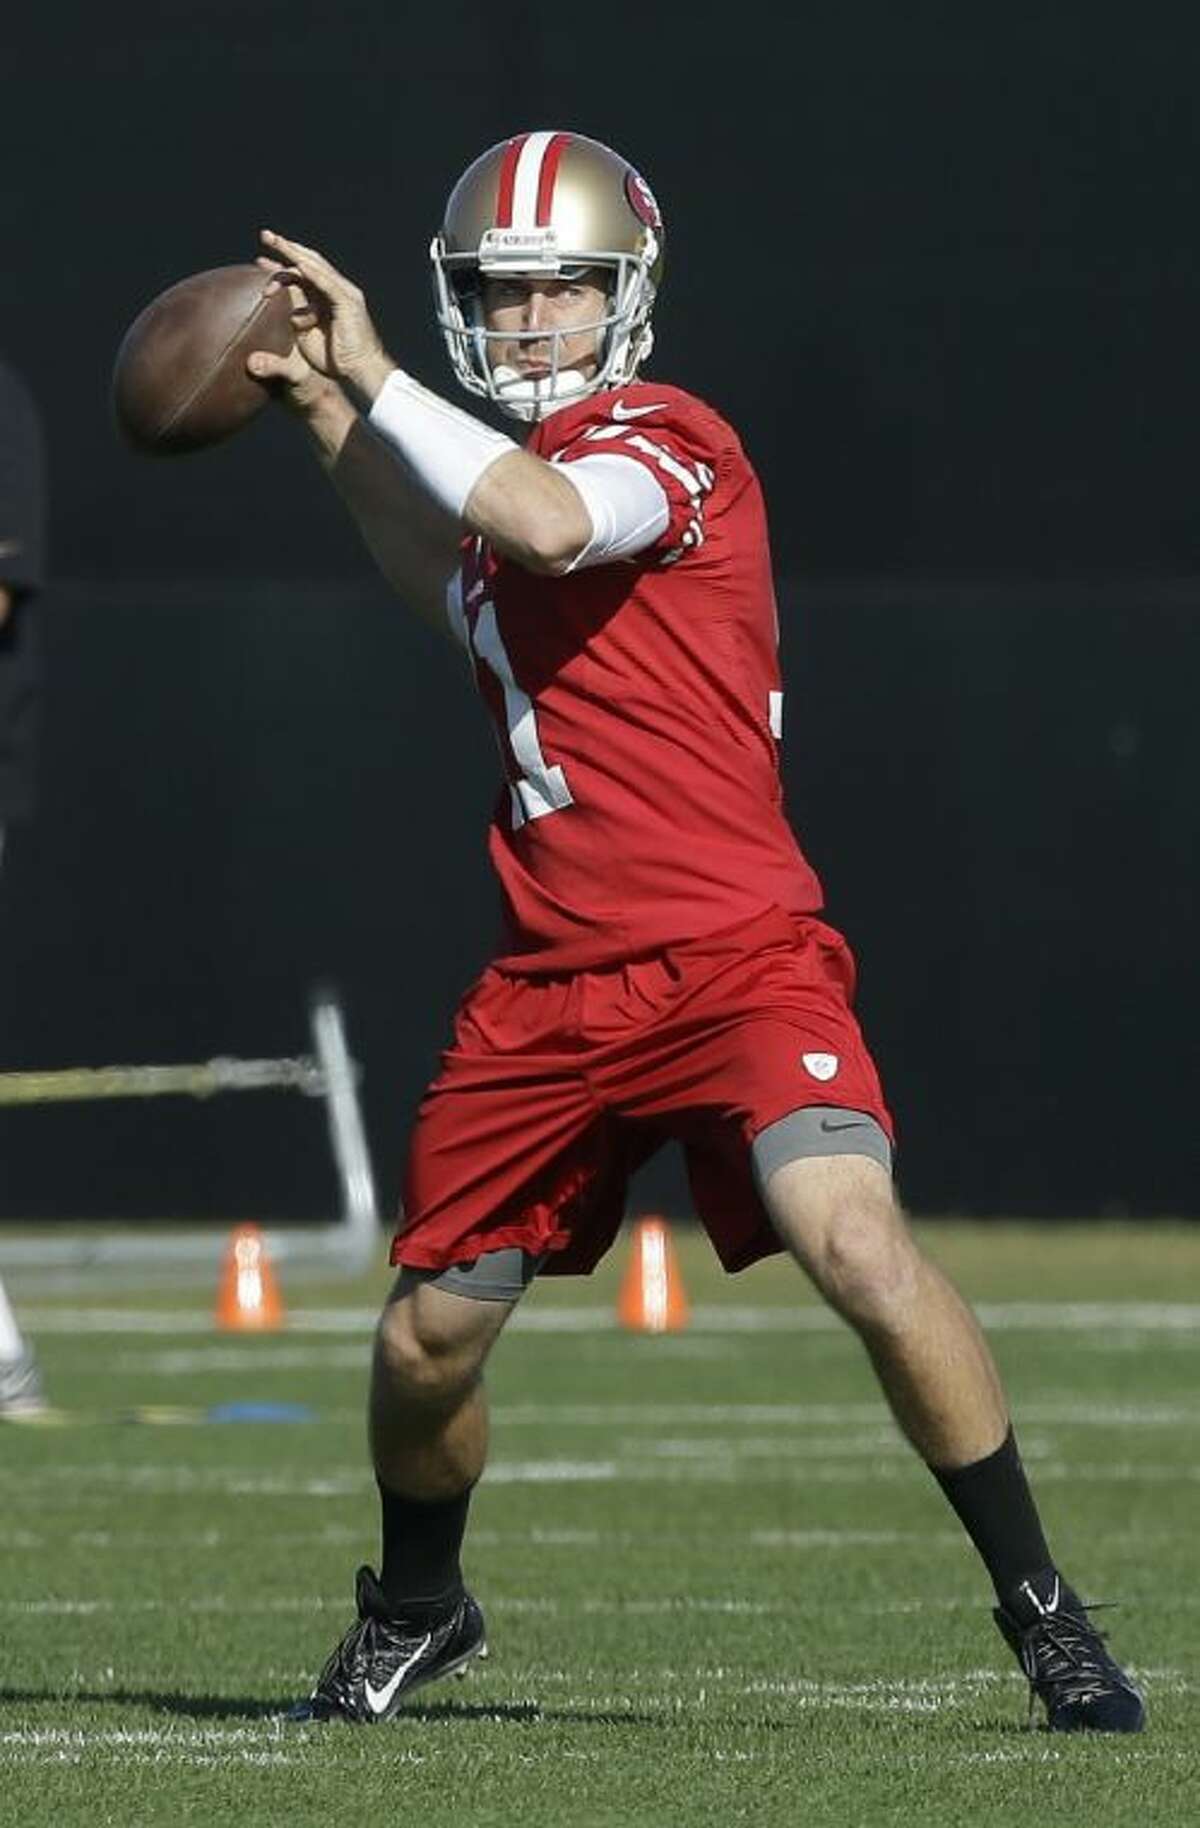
(378, 1699)
(621, 411)
(1048, 1607)
(856, 1123)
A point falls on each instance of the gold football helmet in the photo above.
(553, 205)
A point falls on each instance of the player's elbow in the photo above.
(559, 562)
(553, 542)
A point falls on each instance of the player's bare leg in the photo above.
(427, 1412)
(839, 1218)
(428, 1431)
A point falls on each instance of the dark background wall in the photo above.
(940, 265)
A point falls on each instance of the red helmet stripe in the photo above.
(508, 179)
(549, 172)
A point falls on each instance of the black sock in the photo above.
(995, 1506)
(422, 1537)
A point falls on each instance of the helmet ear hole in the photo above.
(467, 287)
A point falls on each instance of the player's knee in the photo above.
(421, 1357)
(867, 1266)
(839, 1218)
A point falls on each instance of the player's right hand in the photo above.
(332, 325)
(292, 378)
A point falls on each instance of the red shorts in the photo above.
(556, 1088)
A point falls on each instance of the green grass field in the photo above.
(718, 1586)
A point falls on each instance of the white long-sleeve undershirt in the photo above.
(447, 451)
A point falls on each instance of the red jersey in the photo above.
(637, 706)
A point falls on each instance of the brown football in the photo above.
(180, 381)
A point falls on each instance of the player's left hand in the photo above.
(333, 326)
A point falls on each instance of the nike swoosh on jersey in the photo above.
(378, 1698)
(621, 411)
(858, 1123)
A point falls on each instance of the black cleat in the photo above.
(1069, 1670)
(381, 1659)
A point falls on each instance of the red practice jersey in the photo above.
(637, 706)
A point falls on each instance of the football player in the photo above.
(663, 972)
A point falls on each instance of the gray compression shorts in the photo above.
(498, 1275)
(817, 1129)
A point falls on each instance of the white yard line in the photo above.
(270, 1742)
(869, 1460)
(998, 1316)
(551, 1472)
(342, 1535)
(217, 1357)
(1070, 1412)
(854, 1539)
(681, 1415)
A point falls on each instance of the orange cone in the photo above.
(652, 1298)
(248, 1298)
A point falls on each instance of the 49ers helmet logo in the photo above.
(642, 201)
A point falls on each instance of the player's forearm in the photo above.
(413, 541)
(521, 505)
(526, 509)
